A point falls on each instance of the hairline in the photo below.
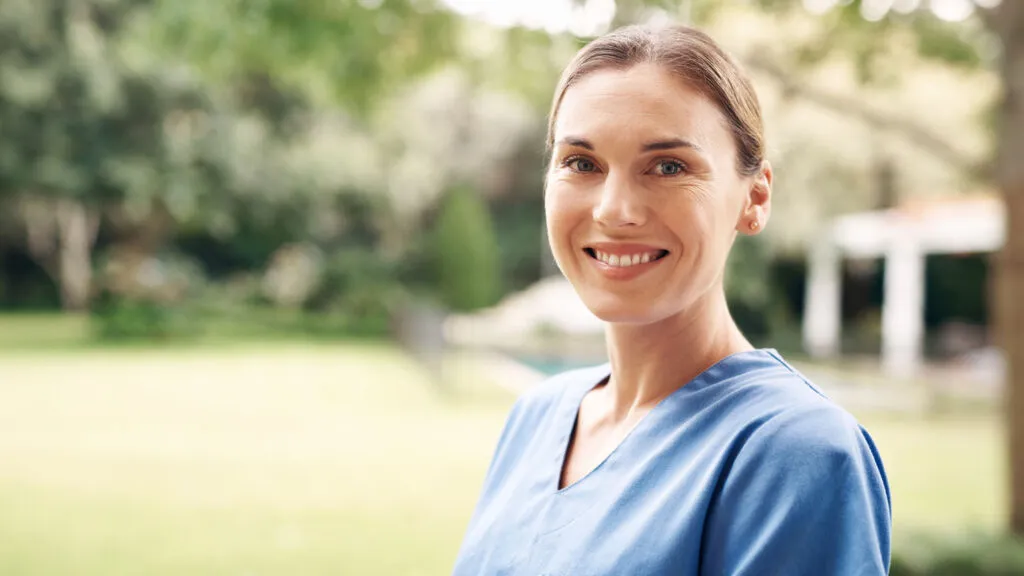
(725, 96)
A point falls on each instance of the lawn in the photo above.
(306, 459)
(946, 474)
(296, 459)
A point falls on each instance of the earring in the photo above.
(754, 225)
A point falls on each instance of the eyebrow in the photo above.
(669, 144)
(576, 142)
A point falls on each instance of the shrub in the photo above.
(465, 252)
(357, 295)
(146, 297)
(122, 319)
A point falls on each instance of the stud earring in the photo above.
(754, 225)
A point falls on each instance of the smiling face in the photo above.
(643, 196)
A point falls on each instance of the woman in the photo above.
(691, 452)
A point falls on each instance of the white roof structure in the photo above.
(903, 236)
(947, 226)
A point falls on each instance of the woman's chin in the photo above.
(614, 311)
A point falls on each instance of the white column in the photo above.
(822, 312)
(903, 306)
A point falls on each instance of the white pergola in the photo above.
(904, 236)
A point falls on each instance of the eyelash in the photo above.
(566, 163)
(682, 167)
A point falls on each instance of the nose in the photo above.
(620, 204)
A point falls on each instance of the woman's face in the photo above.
(643, 196)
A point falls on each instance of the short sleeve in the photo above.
(805, 495)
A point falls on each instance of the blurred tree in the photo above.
(466, 252)
(348, 51)
(1008, 23)
(437, 132)
(79, 129)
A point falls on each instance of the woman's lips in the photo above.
(624, 261)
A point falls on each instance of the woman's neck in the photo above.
(651, 361)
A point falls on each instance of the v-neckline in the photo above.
(567, 438)
(570, 422)
(573, 423)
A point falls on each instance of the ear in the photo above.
(758, 202)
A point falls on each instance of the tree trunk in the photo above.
(1009, 271)
(78, 228)
(60, 236)
(1010, 312)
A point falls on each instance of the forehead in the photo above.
(641, 103)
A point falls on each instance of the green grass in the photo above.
(53, 331)
(286, 460)
(315, 459)
(27, 331)
(946, 474)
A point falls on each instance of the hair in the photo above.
(693, 57)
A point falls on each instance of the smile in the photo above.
(626, 260)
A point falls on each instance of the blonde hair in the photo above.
(693, 57)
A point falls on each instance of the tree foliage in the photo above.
(348, 51)
(466, 252)
(81, 129)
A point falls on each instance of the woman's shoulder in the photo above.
(767, 380)
(787, 417)
(796, 459)
(779, 405)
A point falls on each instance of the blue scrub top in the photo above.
(747, 470)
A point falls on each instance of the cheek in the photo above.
(698, 218)
(690, 213)
(563, 211)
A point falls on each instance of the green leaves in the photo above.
(347, 51)
(871, 42)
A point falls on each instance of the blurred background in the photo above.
(273, 272)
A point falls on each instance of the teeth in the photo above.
(627, 260)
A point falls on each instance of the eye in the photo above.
(580, 164)
(669, 168)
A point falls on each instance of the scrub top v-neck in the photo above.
(747, 469)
